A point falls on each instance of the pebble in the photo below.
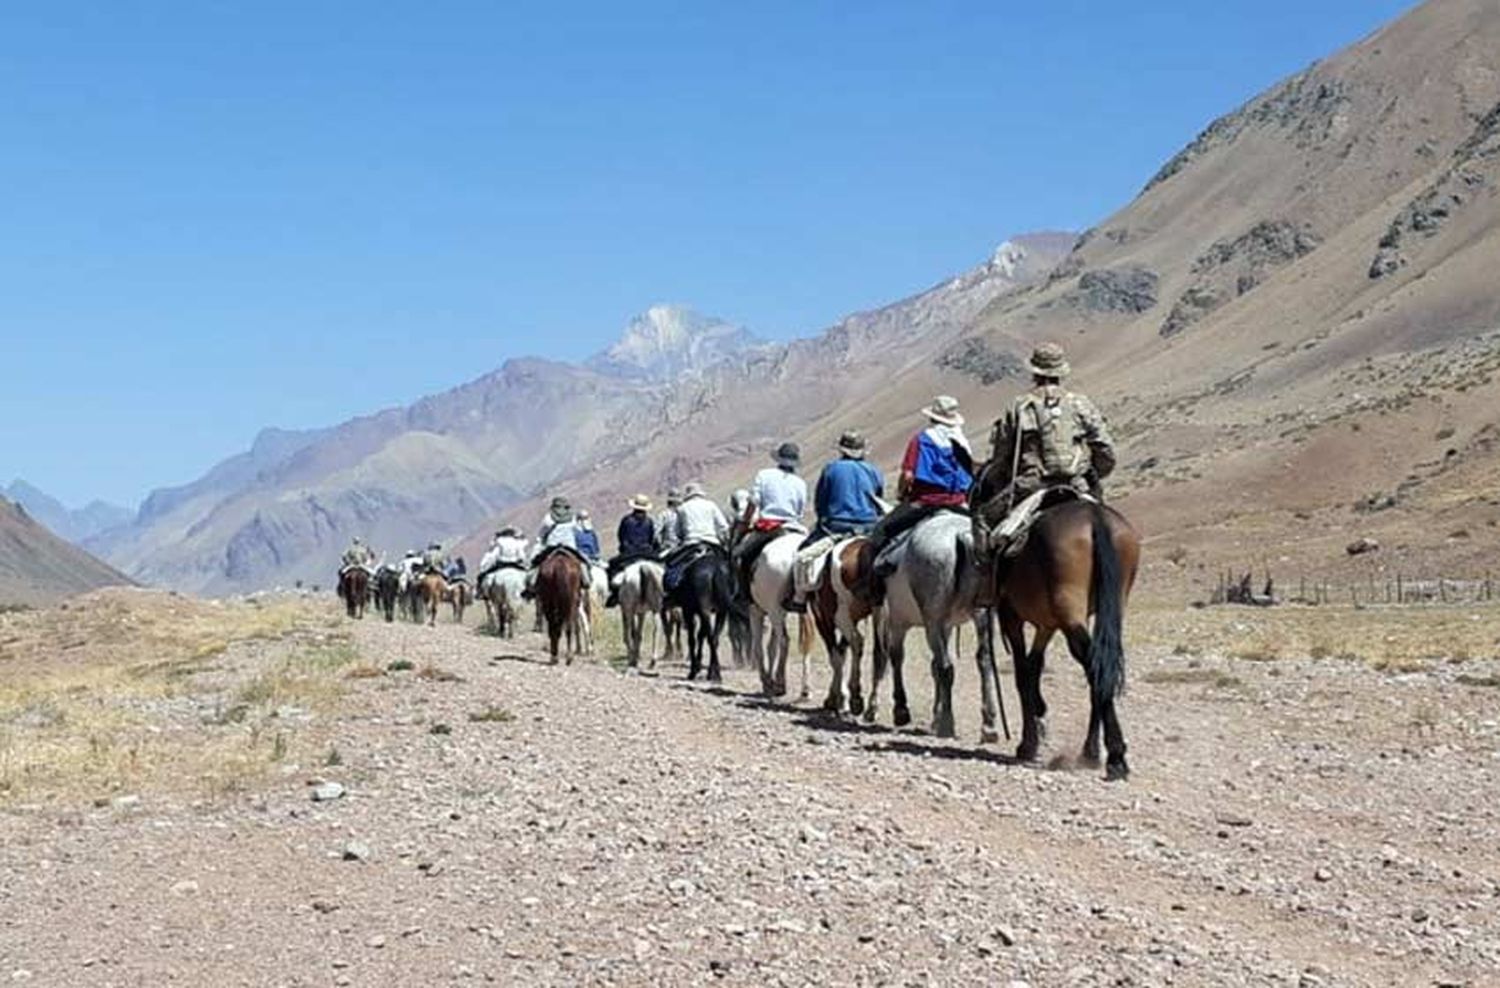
(356, 851)
(375, 942)
(327, 791)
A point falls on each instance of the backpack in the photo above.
(1060, 439)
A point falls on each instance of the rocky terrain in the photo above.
(389, 804)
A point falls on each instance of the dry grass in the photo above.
(128, 690)
(1399, 639)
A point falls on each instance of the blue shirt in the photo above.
(637, 535)
(587, 541)
(845, 490)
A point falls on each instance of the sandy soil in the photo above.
(1306, 822)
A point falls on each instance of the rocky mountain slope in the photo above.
(283, 510)
(37, 567)
(1292, 328)
(73, 524)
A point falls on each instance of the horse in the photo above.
(770, 581)
(501, 592)
(559, 597)
(1080, 560)
(457, 594)
(640, 598)
(706, 596)
(387, 588)
(936, 587)
(431, 587)
(838, 610)
(354, 588)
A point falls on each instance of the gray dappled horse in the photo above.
(936, 588)
(641, 599)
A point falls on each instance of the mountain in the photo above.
(1293, 329)
(73, 524)
(37, 567)
(668, 341)
(284, 510)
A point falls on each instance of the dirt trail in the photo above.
(1289, 823)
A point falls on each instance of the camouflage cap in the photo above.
(852, 444)
(1049, 360)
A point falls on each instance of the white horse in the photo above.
(641, 597)
(769, 582)
(937, 588)
(501, 593)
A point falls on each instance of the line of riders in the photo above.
(1022, 539)
(1050, 443)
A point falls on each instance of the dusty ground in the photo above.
(1297, 821)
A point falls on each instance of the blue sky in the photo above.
(222, 216)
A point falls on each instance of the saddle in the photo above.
(346, 570)
(1007, 539)
(553, 550)
(812, 562)
(679, 560)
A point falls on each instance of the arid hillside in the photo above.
(1292, 329)
(37, 567)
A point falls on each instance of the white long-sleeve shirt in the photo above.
(701, 520)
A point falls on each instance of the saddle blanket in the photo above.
(1009, 537)
(812, 563)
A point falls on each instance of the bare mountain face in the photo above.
(73, 524)
(37, 567)
(1294, 329)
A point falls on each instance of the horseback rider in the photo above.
(1048, 438)
(845, 500)
(456, 570)
(359, 554)
(636, 539)
(936, 472)
(778, 500)
(410, 564)
(434, 560)
(507, 549)
(559, 531)
(667, 537)
(586, 538)
(699, 520)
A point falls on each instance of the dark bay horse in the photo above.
(354, 588)
(1079, 560)
(706, 597)
(387, 589)
(559, 597)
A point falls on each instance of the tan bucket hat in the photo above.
(640, 503)
(944, 411)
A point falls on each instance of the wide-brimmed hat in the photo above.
(1049, 360)
(693, 489)
(944, 411)
(561, 502)
(640, 503)
(583, 514)
(434, 545)
(788, 455)
(509, 531)
(852, 444)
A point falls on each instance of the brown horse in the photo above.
(430, 590)
(559, 600)
(1079, 560)
(457, 594)
(838, 610)
(354, 588)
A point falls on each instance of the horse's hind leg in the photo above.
(714, 672)
(1079, 644)
(900, 713)
(1029, 664)
(989, 683)
(942, 680)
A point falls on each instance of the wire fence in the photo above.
(1392, 588)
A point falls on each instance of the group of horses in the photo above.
(417, 598)
(1071, 577)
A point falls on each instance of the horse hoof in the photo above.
(1088, 759)
(869, 714)
(1116, 772)
(989, 735)
(902, 717)
(1026, 753)
(856, 706)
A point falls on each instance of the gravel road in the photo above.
(1288, 823)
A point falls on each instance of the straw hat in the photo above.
(944, 411)
(640, 503)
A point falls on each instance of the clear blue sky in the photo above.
(219, 216)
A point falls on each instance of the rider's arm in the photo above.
(1096, 434)
(908, 467)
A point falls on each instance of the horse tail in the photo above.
(1106, 649)
(963, 552)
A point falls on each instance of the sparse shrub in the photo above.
(491, 715)
(400, 665)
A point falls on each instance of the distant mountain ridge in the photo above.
(450, 463)
(73, 524)
(37, 567)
